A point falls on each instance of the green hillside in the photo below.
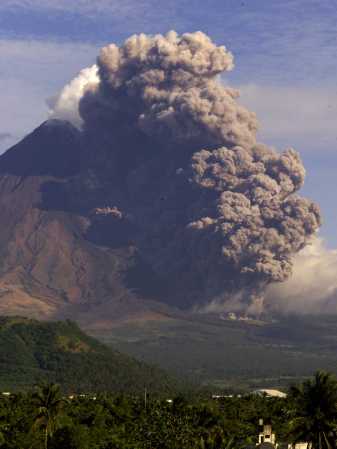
(33, 351)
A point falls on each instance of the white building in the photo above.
(267, 439)
(272, 393)
(298, 446)
(265, 434)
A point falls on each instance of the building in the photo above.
(272, 393)
(302, 445)
(266, 437)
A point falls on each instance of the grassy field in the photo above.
(232, 353)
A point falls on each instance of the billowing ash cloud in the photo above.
(216, 212)
(167, 87)
(258, 220)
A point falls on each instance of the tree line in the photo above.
(46, 419)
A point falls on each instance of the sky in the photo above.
(285, 56)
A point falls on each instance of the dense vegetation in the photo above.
(44, 419)
(126, 422)
(32, 352)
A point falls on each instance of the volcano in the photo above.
(160, 197)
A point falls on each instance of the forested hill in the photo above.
(32, 352)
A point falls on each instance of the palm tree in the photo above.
(313, 411)
(48, 401)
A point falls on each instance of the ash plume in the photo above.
(216, 212)
(166, 86)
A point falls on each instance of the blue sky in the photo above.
(285, 56)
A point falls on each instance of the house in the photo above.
(266, 438)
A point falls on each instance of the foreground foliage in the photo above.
(313, 411)
(42, 420)
(46, 419)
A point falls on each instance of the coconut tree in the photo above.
(48, 402)
(313, 411)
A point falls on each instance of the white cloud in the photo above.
(312, 288)
(313, 285)
(65, 105)
(303, 117)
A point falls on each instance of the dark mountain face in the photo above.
(53, 149)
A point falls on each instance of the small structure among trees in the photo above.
(266, 435)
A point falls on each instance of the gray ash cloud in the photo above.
(216, 211)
